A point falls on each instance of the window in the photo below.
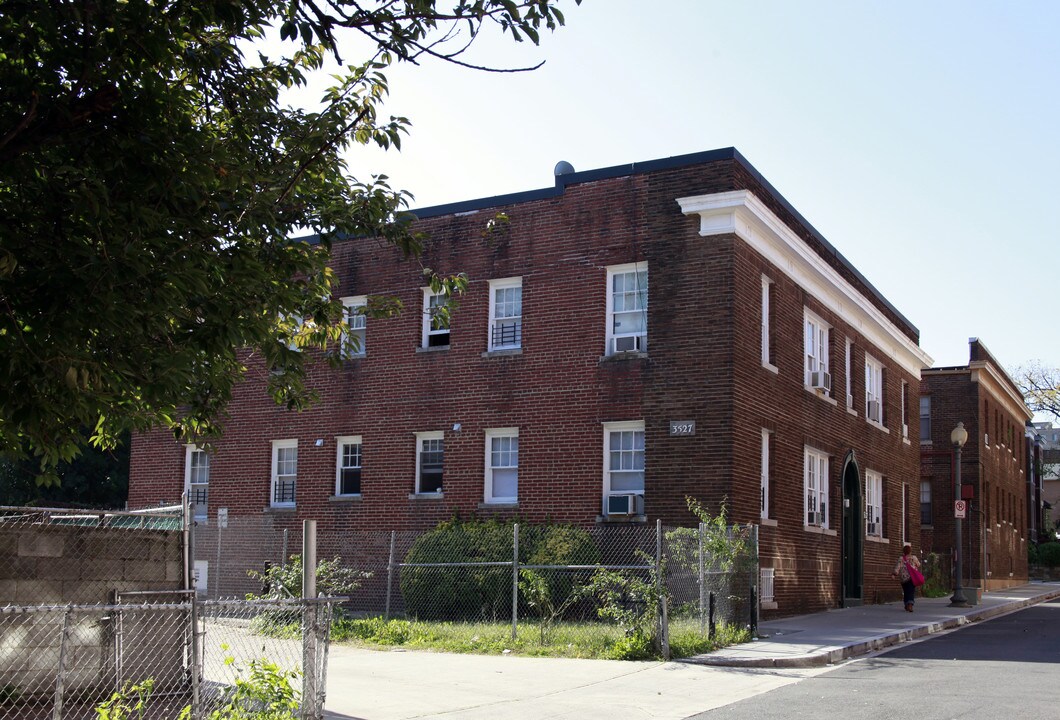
(502, 465)
(849, 372)
(623, 464)
(905, 514)
(925, 418)
(348, 466)
(767, 348)
(764, 505)
(905, 418)
(197, 480)
(925, 503)
(873, 390)
(353, 341)
(506, 314)
(627, 308)
(430, 456)
(816, 346)
(815, 484)
(873, 504)
(284, 472)
(435, 319)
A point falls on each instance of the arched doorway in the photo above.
(853, 533)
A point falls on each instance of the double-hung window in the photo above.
(873, 390)
(435, 319)
(348, 465)
(764, 485)
(873, 504)
(815, 487)
(353, 341)
(925, 503)
(627, 308)
(284, 472)
(506, 314)
(925, 418)
(767, 347)
(623, 467)
(815, 344)
(848, 371)
(502, 465)
(430, 462)
(197, 480)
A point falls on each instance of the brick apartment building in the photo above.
(996, 474)
(631, 337)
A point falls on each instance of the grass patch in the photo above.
(567, 640)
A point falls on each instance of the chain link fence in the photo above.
(558, 584)
(75, 657)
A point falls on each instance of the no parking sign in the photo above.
(960, 507)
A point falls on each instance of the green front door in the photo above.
(853, 534)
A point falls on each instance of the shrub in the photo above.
(1049, 554)
(484, 592)
(1032, 554)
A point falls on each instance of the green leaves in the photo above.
(149, 190)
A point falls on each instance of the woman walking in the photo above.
(904, 572)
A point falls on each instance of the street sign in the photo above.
(222, 518)
(960, 507)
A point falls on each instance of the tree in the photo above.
(151, 182)
(1040, 386)
(97, 478)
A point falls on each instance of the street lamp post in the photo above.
(958, 437)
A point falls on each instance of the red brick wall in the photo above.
(703, 365)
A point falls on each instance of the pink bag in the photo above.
(915, 575)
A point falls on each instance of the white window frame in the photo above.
(357, 326)
(200, 510)
(429, 331)
(341, 442)
(815, 488)
(904, 418)
(277, 477)
(764, 477)
(613, 337)
(496, 320)
(873, 504)
(850, 373)
(816, 346)
(491, 467)
(421, 438)
(634, 426)
(873, 389)
(767, 349)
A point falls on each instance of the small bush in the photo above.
(1032, 554)
(484, 593)
(1049, 554)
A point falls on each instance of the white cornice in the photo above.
(987, 375)
(742, 214)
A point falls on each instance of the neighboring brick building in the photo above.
(631, 337)
(994, 468)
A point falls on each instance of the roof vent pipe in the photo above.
(563, 168)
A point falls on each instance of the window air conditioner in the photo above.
(625, 504)
(821, 381)
(629, 343)
(874, 410)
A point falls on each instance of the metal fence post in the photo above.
(310, 696)
(515, 578)
(702, 582)
(195, 668)
(664, 631)
(64, 641)
(389, 575)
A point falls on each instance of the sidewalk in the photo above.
(396, 685)
(835, 635)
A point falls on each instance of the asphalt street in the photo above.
(1005, 667)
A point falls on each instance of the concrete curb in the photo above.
(832, 655)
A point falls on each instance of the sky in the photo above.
(918, 138)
